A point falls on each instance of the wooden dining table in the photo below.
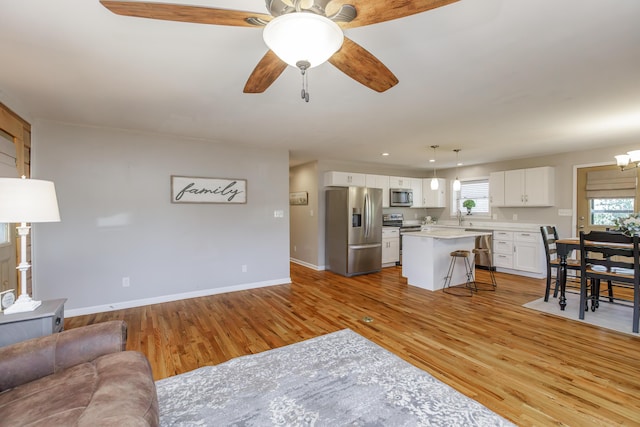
(563, 248)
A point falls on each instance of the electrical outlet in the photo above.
(494, 216)
(125, 282)
(295, 248)
(515, 217)
(244, 268)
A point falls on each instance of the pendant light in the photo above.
(456, 183)
(434, 180)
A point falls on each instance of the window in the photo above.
(611, 194)
(604, 211)
(5, 238)
(473, 189)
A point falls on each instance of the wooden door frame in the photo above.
(20, 130)
(574, 206)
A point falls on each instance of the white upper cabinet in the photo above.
(416, 188)
(434, 198)
(496, 189)
(379, 181)
(529, 187)
(344, 179)
(399, 182)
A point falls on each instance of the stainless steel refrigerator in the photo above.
(353, 231)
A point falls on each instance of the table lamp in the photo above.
(26, 201)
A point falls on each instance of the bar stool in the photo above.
(492, 276)
(470, 284)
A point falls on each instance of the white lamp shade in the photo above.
(434, 183)
(456, 185)
(634, 156)
(28, 200)
(303, 36)
(622, 160)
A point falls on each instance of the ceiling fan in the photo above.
(348, 56)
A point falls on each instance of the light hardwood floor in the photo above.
(531, 368)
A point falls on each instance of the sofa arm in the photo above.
(26, 361)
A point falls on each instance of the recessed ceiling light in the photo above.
(384, 154)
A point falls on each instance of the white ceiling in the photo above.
(500, 79)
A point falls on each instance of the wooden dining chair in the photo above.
(549, 237)
(613, 257)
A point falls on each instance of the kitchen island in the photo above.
(426, 256)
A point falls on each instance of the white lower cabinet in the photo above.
(519, 252)
(503, 249)
(390, 246)
(527, 253)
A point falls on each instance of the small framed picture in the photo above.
(299, 198)
(7, 298)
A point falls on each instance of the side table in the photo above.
(44, 320)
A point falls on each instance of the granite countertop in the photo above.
(447, 233)
(484, 225)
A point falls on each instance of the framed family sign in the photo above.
(190, 189)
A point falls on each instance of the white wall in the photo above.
(304, 218)
(113, 190)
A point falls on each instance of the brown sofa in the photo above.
(79, 377)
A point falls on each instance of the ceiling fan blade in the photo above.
(374, 11)
(183, 13)
(357, 63)
(266, 72)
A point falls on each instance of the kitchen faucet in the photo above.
(460, 217)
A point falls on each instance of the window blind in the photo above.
(611, 184)
(477, 191)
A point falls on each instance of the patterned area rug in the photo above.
(334, 380)
(611, 316)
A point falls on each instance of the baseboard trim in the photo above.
(174, 297)
(306, 264)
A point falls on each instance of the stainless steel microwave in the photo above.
(401, 197)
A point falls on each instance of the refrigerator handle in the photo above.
(367, 215)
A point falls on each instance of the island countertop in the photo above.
(426, 256)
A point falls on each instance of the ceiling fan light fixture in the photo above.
(303, 36)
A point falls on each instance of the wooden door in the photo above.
(8, 169)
